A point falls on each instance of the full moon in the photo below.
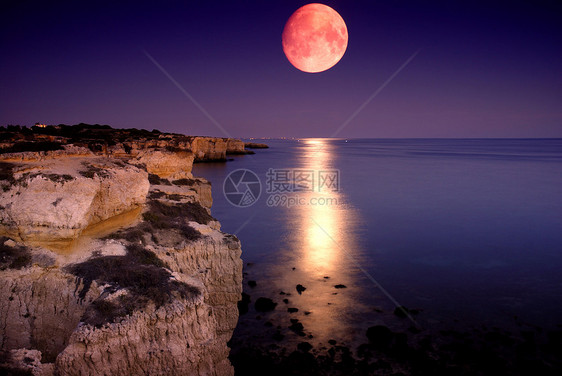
(314, 38)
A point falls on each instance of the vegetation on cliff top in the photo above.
(93, 136)
(32, 146)
(163, 215)
(140, 271)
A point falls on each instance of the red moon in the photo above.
(314, 38)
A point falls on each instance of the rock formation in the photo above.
(119, 143)
(55, 199)
(166, 164)
(154, 292)
(255, 145)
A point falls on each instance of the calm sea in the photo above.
(463, 230)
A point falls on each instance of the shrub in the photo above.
(32, 146)
(156, 195)
(190, 233)
(184, 181)
(7, 175)
(140, 271)
(190, 211)
(59, 178)
(13, 257)
(92, 171)
(157, 180)
(174, 149)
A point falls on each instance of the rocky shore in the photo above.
(273, 337)
(110, 260)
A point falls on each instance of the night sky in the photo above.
(484, 68)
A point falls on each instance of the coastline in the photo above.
(459, 342)
(276, 341)
(146, 281)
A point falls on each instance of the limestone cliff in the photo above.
(166, 164)
(151, 290)
(118, 143)
(206, 148)
(55, 198)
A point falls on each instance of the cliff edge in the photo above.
(113, 264)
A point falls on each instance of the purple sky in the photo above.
(484, 68)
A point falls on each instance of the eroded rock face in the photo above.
(55, 200)
(194, 190)
(40, 309)
(165, 164)
(158, 297)
(186, 337)
(32, 156)
(209, 148)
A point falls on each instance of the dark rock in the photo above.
(364, 351)
(332, 342)
(265, 305)
(300, 288)
(297, 327)
(286, 301)
(400, 346)
(244, 303)
(380, 336)
(307, 313)
(304, 346)
(340, 286)
(269, 324)
(255, 145)
(326, 277)
(278, 336)
(304, 362)
(252, 283)
(292, 310)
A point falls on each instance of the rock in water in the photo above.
(380, 336)
(265, 305)
(244, 303)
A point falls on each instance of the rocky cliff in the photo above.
(118, 143)
(113, 266)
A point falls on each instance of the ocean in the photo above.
(464, 233)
